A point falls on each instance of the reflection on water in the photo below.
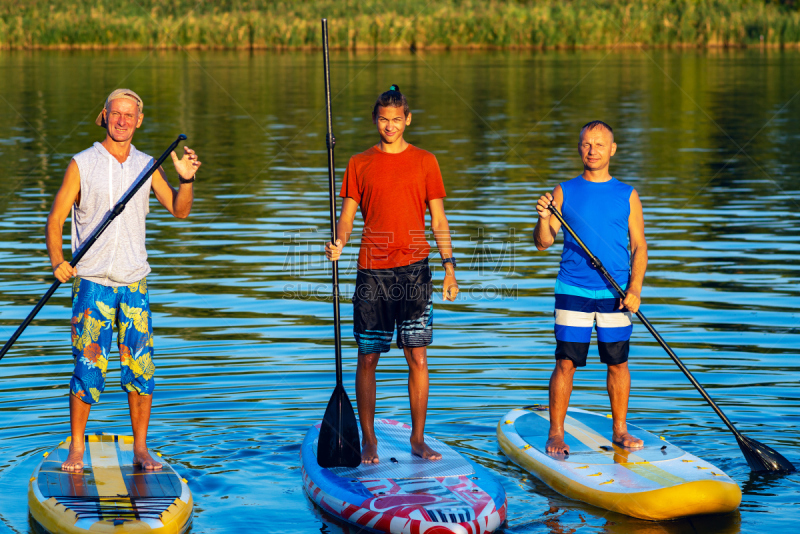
(239, 290)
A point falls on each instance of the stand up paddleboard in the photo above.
(658, 482)
(404, 493)
(110, 495)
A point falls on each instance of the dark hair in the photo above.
(392, 98)
(597, 124)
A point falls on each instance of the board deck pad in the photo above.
(397, 461)
(405, 493)
(586, 445)
(108, 472)
(109, 489)
(657, 481)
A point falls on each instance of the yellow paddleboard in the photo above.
(660, 481)
(110, 495)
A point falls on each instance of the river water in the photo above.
(239, 290)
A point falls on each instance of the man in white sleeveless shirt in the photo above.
(110, 287)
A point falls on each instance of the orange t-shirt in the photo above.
(393, 191)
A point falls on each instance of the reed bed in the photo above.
(402, 24)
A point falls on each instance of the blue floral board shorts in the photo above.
(96, 309)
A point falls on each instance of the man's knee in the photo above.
(618, 369)
(140, 399)
(417, 358)
(368, 361)
(566, 367)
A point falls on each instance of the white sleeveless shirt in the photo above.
(118, 257)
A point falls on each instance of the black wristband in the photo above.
(451, 260)
(182, 181)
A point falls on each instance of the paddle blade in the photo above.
(762, 458)
(339, 444)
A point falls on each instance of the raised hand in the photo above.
(187, 166)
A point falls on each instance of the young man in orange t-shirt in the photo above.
(394, 183)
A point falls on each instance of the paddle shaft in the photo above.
(91, 241)
(599, 266)
(331, 142)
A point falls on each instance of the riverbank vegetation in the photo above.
(400, 24)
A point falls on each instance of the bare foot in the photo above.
(556, 445)
(369, 453)
(423, 451)
(144, 459)
(626, 440)
(74, 459)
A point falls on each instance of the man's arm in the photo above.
(65, 198)
(178, 203)
(441, 233)
(633, 293)
(547, 226)
(343, 229)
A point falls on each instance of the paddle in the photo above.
(85, 248)
(338, 444)
(759, 457)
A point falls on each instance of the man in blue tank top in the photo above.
(607, 215)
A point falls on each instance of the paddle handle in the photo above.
(116, 210)
(330, 141)
(600, 267)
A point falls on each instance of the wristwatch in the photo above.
(189, 181)
(449, 260)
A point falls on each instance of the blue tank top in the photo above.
(598, 212)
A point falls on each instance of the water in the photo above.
(238, 290)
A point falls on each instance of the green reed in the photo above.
(396, 23)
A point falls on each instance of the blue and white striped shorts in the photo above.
(577, 311)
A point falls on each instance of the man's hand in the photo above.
(187, 166)
(449, 287)
(542, 207)
(334, 252)
(632, 300)
(64, 271)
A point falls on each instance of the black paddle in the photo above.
(338, 444)
(759, 457)
(85, 248)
